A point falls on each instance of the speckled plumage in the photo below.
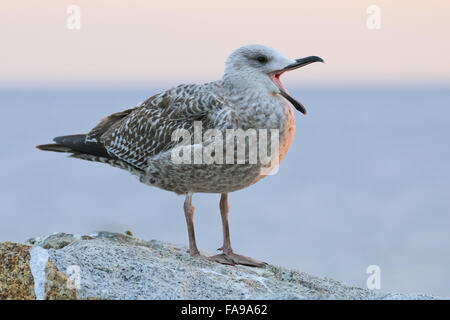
(249, 98)
(140, 139)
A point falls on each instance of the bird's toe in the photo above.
(234, 259)
(223, 259)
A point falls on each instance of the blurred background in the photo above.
(366, 181)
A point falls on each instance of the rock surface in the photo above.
(16, 280)
(117, 266)
(25, 276)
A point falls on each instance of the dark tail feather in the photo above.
(76, 144)
(54, 147)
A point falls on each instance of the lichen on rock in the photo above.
(58, 286)
(16, 280)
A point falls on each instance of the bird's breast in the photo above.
(287, 129)
(271, 113)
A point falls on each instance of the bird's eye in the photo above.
(262, 59)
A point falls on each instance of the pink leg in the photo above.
(189, 213)
(228, 256)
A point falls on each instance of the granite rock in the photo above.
(108, 265)
(21, 279)
(16, 280)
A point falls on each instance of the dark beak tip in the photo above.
(304, 61)
(317, 59)
(294, 102)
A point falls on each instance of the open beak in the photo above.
(275, 76)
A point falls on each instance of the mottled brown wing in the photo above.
(147, 129)
(105, 124)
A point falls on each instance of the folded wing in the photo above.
(137, 134)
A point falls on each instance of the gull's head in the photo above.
(260, 67)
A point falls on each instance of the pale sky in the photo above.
(170, 42)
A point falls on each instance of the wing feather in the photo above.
(137, 134)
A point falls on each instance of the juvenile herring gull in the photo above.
(141, 140)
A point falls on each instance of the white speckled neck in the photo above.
(38, 261)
